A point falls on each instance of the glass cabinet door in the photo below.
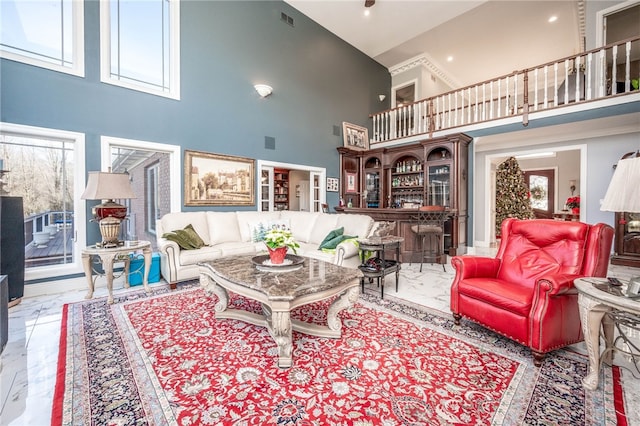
(372, 189)
(439, 185)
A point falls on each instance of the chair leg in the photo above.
(173, 285)
(538, 357)
(456, 319)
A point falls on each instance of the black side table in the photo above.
(379, 245)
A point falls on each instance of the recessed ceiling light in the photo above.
(367, 12)
(449, 58)
(553, 18)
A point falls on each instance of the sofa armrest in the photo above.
(475, 267)
(345, 250)
(170, 251)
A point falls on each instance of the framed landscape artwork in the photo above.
(355, 137)
(218, 180)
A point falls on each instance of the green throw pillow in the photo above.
(332, 243)
(330, 236)
(187, 238)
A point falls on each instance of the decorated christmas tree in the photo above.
(512, 193)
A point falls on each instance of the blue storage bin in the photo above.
(136, 269)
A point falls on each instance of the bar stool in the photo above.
(430, 226)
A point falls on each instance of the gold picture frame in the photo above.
(355, 137)
(218, 180)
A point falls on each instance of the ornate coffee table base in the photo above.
(277, 314)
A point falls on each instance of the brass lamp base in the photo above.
(110, 229)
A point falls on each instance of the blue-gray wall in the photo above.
(226, 47)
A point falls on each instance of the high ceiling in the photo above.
(485, 39)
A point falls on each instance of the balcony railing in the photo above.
(609, 71)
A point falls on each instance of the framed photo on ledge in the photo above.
(355, 137)
(218, 180)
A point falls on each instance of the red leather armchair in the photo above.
(526, 292)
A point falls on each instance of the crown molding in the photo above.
(427, 62)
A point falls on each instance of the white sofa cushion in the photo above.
(247, 218)
(354, 225)
(301, 223)
(204, 254)
(223, 227)
(323, 224)
(172, 221)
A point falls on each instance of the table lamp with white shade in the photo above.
(623, 195)
(108, 186)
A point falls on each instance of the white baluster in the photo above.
(589, 67)
(535, 89)
(627, 73)
(475, 113)
(614, 71)
(484, 101)
(515, 94)
(577, 71)
(566, 81)
(555, 84)
(546, 86)
(602, 77)
(449, 110)
(506, 97)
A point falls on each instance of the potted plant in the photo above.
(573, 203)
(278, 241)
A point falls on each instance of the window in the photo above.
(46, 33)
(152, 196)
(140, 45)
(50, 192)
(154, 171)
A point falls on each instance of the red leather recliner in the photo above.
(526, 292)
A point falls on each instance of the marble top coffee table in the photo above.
(280, 291)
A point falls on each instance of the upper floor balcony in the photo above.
(596, 83)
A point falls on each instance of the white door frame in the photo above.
(290, 166)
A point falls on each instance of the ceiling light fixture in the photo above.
(367, 12)
(263, 90)
(553, 18)
(449, 58)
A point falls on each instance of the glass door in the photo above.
(317, 195)
(439, 178)
(265, 194)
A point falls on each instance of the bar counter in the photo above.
(405, 218)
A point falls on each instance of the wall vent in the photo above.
(269, 142)
(286, 18)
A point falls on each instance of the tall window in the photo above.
(46, 169)
(151, 193)
(140, 45)
(44, 33)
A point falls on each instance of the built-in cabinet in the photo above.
(392, 183)
(281, 189)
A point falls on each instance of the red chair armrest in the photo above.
(554, 285)
(475, 267)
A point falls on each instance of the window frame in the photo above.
(152, 209)
(79, 205)
(174, 52)
(77, 31)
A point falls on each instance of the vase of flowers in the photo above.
(573, 203)
(278, 242)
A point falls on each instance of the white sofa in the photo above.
(229, 234)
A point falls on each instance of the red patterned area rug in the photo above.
(166, 360)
